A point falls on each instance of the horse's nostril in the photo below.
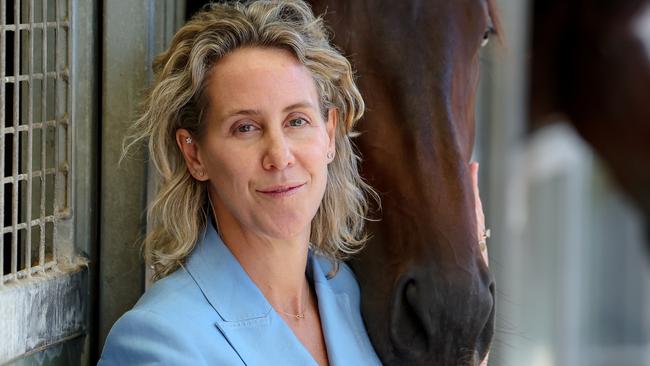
(487, 333)
(445, 321)
(408, 332)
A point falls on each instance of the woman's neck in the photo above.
(276, 266)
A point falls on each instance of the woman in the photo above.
(249, 125)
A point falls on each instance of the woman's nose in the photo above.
(278, 154)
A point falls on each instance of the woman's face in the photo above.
(266, 144)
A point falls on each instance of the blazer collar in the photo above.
(249, 322)
(345, 336)
(225, 284)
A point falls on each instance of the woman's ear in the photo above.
(332, 119)
(190, 150)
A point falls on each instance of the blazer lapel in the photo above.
(347, 343)
(247, 320)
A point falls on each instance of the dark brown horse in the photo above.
(591, 64)
(427, 294)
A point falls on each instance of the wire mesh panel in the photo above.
(35, 143)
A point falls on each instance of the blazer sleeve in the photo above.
(141, 337)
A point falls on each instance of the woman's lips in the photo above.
(281, 191)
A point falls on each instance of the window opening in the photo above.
(35, 134)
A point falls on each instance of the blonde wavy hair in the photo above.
(176, 100)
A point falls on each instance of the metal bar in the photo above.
(36, 125)
(36, 76)
(23, 273)
(32, 223)
(15, 27)
(70, 111)
(30, 141)
(16, 142)
(41, 246)
(3, 63)
(57, 113)
(20, 177)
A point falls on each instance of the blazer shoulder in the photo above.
(172, 324)
(141, 337)
(167, 295)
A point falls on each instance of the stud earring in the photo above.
(330, 155)
(188, 139)
(197, 173)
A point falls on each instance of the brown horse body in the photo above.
(591, 64)
(427, 295)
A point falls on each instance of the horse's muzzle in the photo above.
(442, 319)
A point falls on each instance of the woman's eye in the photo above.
(298, 122)
(245, 128)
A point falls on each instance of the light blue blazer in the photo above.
(210, 312)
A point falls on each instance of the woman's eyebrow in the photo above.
(237, 112)
(303, 104)
(256, 112)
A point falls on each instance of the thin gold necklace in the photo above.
(300, 315)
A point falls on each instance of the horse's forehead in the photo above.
(438, 22)
(439, 9)
(405, 10)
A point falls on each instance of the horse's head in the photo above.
(427, 295)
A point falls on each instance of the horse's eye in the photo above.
(486, 37)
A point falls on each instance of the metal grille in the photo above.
(35, 141)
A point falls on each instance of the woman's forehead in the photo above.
(260, 78)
